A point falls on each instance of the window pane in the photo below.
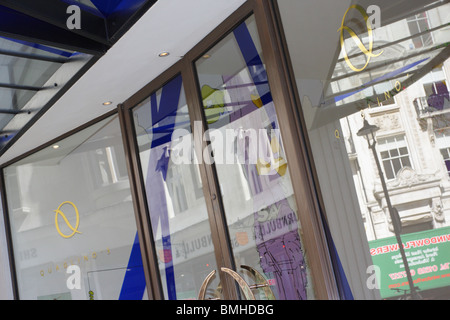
(255, 182)
(427, 40)
(388, 170)
(391, 140)
(70, 209)
(418, 42)
(423, 24)
(405, 162)
(394, 153)
(413, 27)
(447, 165)
(397, 165)
(181, 228)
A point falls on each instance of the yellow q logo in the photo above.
(279, 163)
(367, 52)
(60, 213)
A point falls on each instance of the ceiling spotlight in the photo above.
(163, 54)
(107, 103)
(55, 146)
(206, 56)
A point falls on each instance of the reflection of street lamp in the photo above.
(368, 131)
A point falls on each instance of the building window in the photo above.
(437, 95)
(394, 155)
(107, 165)
(443, 144)
(446, 154)
(417, 24)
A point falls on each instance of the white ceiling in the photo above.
(170, 25)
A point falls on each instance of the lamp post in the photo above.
(368, 131)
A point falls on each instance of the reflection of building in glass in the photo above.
(409, 103)
(413, 146)
(396, 72)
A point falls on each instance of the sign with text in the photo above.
(428, 255)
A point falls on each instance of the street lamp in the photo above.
(368, 131)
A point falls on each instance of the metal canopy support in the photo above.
(12, 111)
(19, 87)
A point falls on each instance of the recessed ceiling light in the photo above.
(164, 54)
(107, 103)
(206, 56)
(55, 146)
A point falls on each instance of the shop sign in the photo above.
(368, 52)
(428, 256)
(59, 212)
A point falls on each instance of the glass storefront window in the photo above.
(72, 220)
(177, 207)
(391, 68)
(248, 153)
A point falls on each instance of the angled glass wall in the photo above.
(384, 66)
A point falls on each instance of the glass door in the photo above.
(224, 222)
(246, 148)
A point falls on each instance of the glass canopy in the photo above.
(40, 57)
(28, 70)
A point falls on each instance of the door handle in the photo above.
(202, 292)
(246, 289)
(261, 282)
(241, 282)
